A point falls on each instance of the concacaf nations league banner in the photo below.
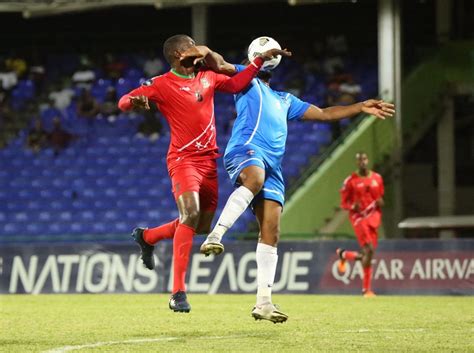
(400, 267)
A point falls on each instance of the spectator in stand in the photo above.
(37, 74)
(333, 64)
(59, 138)
(87, 106)
(108, 108)
(351, 88)
(151, 126)
(37, 137)
(61, 96)
(8, 77)
(332, 93)
(84, 77)
(17, 65)
(114, 67)
(337, 43)
(13, 121)
(48, 112)
(153, 66)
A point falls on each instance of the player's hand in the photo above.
(194, 55)
(380, 202)
(140, 102)
(272, 53)
(378, 108)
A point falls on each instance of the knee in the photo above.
(370, 251)
(253, 182)
(270, 234)
(367, 254)
(190, 217)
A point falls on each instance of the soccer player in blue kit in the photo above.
(253, 160)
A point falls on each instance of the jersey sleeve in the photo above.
(149, 89)
(347, 196)
(240, 80)
(297, 107)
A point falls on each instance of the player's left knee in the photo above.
(270, 234)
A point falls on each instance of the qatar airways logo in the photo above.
(418, 269)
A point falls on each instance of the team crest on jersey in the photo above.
(205, 83)
(374, 183)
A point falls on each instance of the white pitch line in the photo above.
(135, 341)
(109, 343)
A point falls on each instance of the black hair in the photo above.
(172, 44)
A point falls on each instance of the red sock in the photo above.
(350, 255)
(182, 243)
(367, 279)
(165, 231)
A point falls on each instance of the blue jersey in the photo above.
(262, 115)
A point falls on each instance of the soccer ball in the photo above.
(261, 45)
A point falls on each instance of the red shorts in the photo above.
(196, 176)
(365, 232)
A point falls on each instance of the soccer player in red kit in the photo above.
(185, 96)
(362, 195)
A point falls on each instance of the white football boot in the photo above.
(212, 245)
(270, 312)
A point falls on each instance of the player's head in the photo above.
(175, 45)
(362, 160)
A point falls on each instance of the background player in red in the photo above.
(362, 195)
(186, 99)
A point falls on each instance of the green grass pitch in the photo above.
(222, 323)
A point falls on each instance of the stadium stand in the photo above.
(110, 179)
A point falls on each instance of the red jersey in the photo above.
(188, 106)
(365, 191)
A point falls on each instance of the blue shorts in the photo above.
(241, 157)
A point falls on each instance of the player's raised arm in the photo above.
(238, 82)
(377, 108)
(211, 59)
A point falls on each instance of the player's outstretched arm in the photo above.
(139, 97)
(129, 102)
(377, 108)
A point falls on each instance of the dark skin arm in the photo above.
(377, 108)
(213, 60)
(216, 62)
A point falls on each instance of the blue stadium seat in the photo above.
(121, 227)
(123, 86)
(11, 228)
(36, 228)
